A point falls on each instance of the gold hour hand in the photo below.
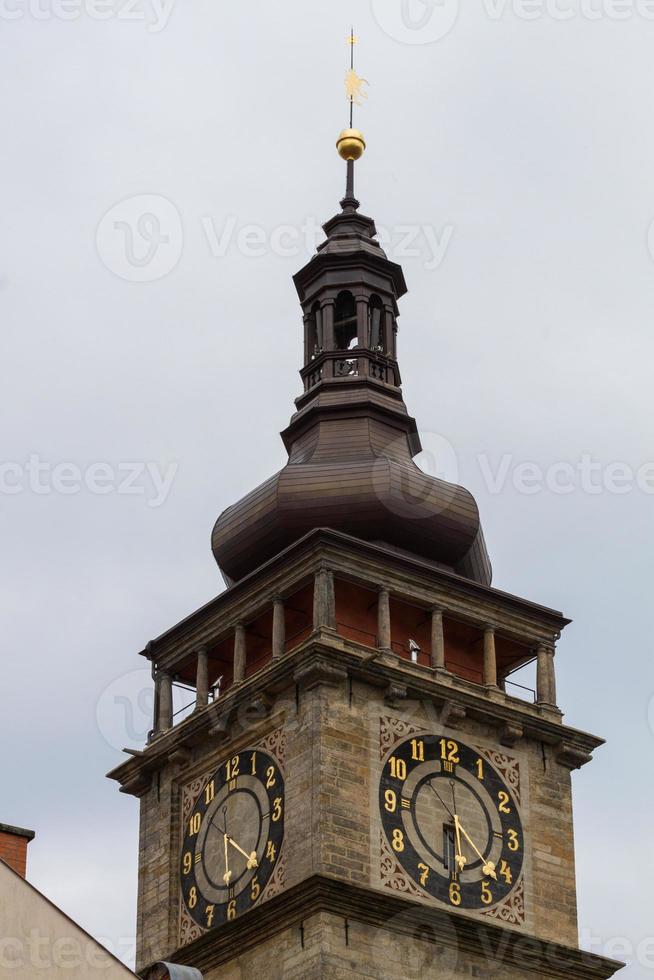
(458, 857)
(488, 867)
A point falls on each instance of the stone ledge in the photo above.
(330, 659)
(491, 943)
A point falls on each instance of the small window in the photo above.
(345, 321)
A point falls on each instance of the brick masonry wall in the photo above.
(13, 851)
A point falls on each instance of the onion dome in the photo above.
(351, 442)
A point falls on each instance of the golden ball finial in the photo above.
(351, 144)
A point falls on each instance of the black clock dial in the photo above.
(233, 838)
(451, 821)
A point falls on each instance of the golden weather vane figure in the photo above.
(353, 82)
(351, 144)
(354, 88)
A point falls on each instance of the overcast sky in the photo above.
(510, 164)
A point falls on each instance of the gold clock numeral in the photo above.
(486, 893)
(390, 801)
(210, 911)
(270, 851)
(417, 750)
(424, 873)
(455, 893)
(232, 768)
(406, 804)
(193, 897)
(194, 824)
(398, 841)
(231, 910)
(255, 890)
(449, 751)
(514, 842)
(505, 871)
(188, 862)
(398, 768)
(209, 792)
(480, 768)
(504, 802)
(254, 763)
(277, 810)
(270, 777)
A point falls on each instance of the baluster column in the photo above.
(240, 653)
(437, 639)
(164, 700)
(490, 657)
(202, 680)
(324, 601)
(546, 675)
(278, 628)
(384, 620)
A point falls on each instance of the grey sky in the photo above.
(526, 149)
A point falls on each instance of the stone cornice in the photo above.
(490, 943)
(358, 559)
(327, 658)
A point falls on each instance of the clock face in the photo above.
(233, 838)
(451, 821)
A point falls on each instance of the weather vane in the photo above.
(353, 83)
(350, 144)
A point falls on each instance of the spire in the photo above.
(351, 442)
(350, 144)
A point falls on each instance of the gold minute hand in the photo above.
(488, 866)
(458, 857)
(227, 877)
(250, 858)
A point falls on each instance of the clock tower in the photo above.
(359, 790)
